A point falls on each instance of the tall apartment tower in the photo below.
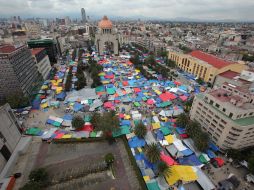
(18, 72)
(83, 15)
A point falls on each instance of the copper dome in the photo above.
(105, 23)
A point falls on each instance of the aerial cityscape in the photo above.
(126, 95)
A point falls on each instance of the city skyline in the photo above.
(167, 10)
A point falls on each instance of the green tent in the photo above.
(99, 89)
(136, 122)
(203, 159)
(165, 104)
(111, 91)
(93, 134)
(166, 131)
(123, 130)
(33, 131)
(144, 98)
(56, 124)
(152, 185)
(87, 118)
(137, 104)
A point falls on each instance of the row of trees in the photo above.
(94, 70)
(184, 48)
(17, 100)
(68, 82)
(81, 83)
(193, 129)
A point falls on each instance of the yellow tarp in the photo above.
(146, 178)
(139, 149)
(127, 117)
(156, 125)
(184, 173)
(158, 92)
(44, 87)
(169, 138)
(66, 136)
(44, 105)
(59, 89)
(137, 70)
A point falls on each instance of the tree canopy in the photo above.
(152, 152)
(77, 122)
(164, 169)
(140, 130)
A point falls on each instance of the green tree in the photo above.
(188, 104)
(39, 175)
(152, 152)
(77, 122)
(17, 100)
(109, 159)
(234, 154)
(96, 119)
(201, 141)
(251, 164)
(164, 169)
(182, 120)
(193, 128)
(140, 130)
(200, 81)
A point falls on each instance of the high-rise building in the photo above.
(10, 134)
(42, 61)
(83, 15)
(49, 44)
(227, 114)
(18, 72)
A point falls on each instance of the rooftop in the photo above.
(35, 51)
(210, 59)
(229, 74)
(105, 23)
(7, 48)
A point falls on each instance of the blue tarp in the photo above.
(187, 152)
(77, 106)
(125, 122)
(67, 117)
(191, 160)
(213, 147)
(139, 156)
(180, 130)
(160, 135)
(36, 104)
(61, 96)
(210, 153)
(136, 142)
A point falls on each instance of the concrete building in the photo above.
(18, 72)
(42, 61)
(227, 114)
(83, 15)
(203, 65)
(106, 39)
(10, 134)
(33, 30)
(49, 44)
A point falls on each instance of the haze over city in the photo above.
(200, 10)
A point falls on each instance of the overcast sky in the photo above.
(164, 9)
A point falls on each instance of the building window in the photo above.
(224, 122)
(231, 115)
(224, 110)
(211, 102)
(239, 130)
(217, 105)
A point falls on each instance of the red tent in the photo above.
(137, 90)
(167, 96)
(177, 83)
(167, 159)
(125, 83)
(108, 105)
(220, 161)
(150, 101)
(184, 136)
(183, 98)
(86, 127)
(121, 115)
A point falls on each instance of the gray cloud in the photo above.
(165, 9)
